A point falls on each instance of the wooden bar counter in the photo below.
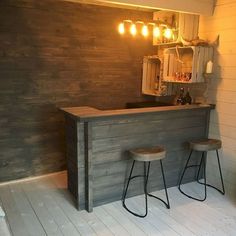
(98, 141)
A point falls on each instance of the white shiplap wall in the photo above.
(222, 88)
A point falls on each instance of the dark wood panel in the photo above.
(57, 54)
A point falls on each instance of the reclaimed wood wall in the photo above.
(59, 54)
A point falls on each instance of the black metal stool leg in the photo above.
(145, 189)
(221, 177)
(164, 181)
(202, 162)
(127, 186)
(200, 166)
(167, 204)
(205, 178)
(185, 168)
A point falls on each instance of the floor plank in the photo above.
(65, 201)
(28, 215)
(4, 227)
(110, 222)
(44, 216)
(14, 217)
(132, 228)
(163, 215)
(4, 230)
(146, 227)
(45, 207)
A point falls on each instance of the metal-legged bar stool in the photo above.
(146, 155)
(203, 146)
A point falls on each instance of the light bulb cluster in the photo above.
(160, 31)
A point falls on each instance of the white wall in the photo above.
(222, 88)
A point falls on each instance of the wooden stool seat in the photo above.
(148, 154)
(205, 145)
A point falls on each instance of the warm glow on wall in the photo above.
(133, 29)
(145, 32)
(168, 33)
(156, 32)
(159, 31)
(121, 28)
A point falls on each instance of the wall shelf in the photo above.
(186, 64)
(151, 75)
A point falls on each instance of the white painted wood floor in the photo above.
(45, 207)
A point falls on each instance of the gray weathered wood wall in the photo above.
(59, 54)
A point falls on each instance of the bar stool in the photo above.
(146, 155)
(203, 146)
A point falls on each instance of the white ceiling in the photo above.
(203, 7)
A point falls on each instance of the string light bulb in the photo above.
(133, 29)
(121, 28)
(168, 33)
(156, 32)
(145, 31)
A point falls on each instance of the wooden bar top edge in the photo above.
(86, 113)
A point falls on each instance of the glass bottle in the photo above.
(188, 98)
(181, 98)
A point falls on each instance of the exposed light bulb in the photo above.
(121, 28)
(133, 29)
(156, 32)
(168, 33)
(145, 31)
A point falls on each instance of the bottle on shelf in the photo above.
(188, 98)
(181, 97)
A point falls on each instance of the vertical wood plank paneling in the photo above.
(222, 89)
(59, 54)
(88, 165)
(106, 144)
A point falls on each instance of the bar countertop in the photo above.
(86, 113)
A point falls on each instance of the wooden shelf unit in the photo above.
(151, 75)
(186, 64)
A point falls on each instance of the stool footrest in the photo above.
(194, 198)
(166, 204)
(192, 166)
(137, 176)
(209, 185)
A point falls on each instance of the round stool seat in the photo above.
(205, 145)
(148, 154)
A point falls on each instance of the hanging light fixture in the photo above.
(160, 31)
